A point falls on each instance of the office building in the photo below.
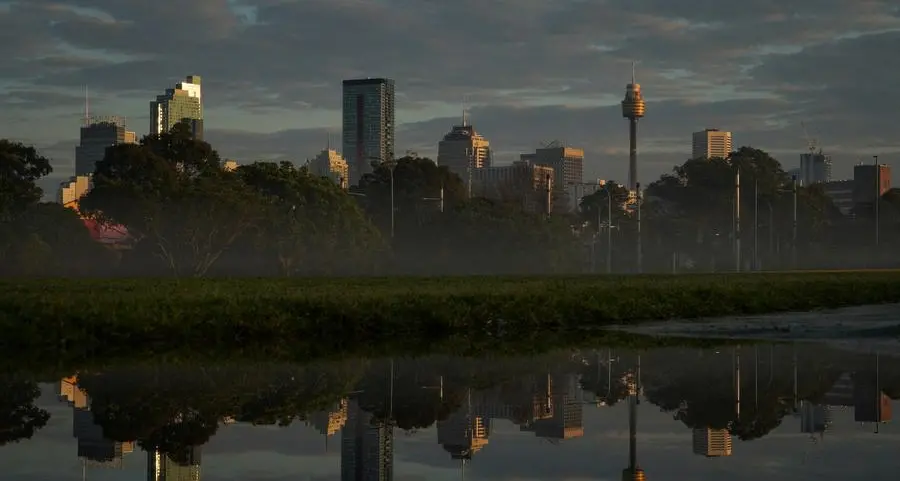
(841, 194)
(522, 183)
(567, 162)
(96, 135)
(711, 143)
(463, 150)
(330, 163)
(712, 443)
(815, 168)
(870, 181)
(368, 124)
(72, 190)
(184, 103)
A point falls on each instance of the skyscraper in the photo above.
(463, 150)
(182, 103)
(711, 143)
(368, 124)
(96, 135)
(815, 168)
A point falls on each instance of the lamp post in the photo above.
(877, 202)
(794, 234)
(609, 225)
(391, 164)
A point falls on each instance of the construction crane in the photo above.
(811, 143)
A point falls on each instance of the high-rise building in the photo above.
(522, 182)
(72, 190)
(870, 181)
(815, 168)
(184, 103)
(711, 143)
(463, 150)
(712, 443)
(96, 135)
(368, 124)
(331, 164)
(161, 466)
(568, 168)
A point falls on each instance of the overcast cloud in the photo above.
(533, 71)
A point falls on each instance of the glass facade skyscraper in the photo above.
(184, 103)
(368, 124)
(97, 134)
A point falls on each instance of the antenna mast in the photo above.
(87, 105)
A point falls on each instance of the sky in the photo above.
(531, 71)
(242, 452)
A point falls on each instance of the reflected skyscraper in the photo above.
(94, 449)
(367, 451)
(633, 472)
(329, 422)
(464, 433)
(560, 416)
(161, 467)
(712, 443)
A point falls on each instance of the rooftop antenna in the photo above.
(465, 119)
(632, 72)
(87, 105)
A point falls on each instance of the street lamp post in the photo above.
(794, 235)
(391, 164)
(877, 202)
(609, 225)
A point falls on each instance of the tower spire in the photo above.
(632, 72)
(465, 117)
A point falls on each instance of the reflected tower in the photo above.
(633, 110)
(633, 472)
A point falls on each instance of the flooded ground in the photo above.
(804, 411)
(865, 328)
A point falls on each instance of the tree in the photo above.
(175, 199)
(309, 224)
(19, 417)
(20, 168)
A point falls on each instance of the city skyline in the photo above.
(241, 451)
(751, 80)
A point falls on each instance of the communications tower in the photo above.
(633, 110)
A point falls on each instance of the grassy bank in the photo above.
(99, 315)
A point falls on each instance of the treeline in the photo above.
(174, 407)
(188, 216)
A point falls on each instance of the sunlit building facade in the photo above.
(184, 103)
(331, 164)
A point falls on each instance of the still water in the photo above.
(740, 413)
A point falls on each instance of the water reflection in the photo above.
(483, 414)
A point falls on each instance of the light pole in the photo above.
(756, 225)
(877, 202)
(609, 224)
(737, 221)
(794, 235)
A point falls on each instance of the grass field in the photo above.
(100, 315)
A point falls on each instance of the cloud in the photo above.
(532, 70)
